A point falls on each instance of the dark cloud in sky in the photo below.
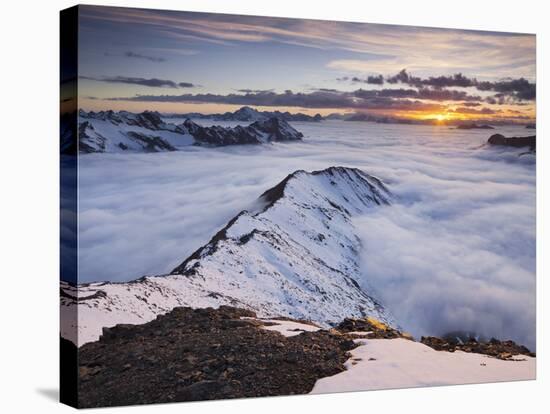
(506, 90)
(254, 90)
(371, 80)
(474, 111)
(404, 77)
(446, 95)
(317, 99)
(519, 89)
(423, 93)
(385, 103)
(514, 89)
(331, 90)
(396, 99)
(152, 82)
(387, 93)
(375, 80)
(135, 55)
(456, 80)
(494, 101)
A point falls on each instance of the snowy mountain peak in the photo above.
(297, 256)
(367, 188)
(246, 113)
(329, 197)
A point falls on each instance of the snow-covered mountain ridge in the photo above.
(109, 131)
(297, 256)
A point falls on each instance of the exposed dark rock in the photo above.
(269, 130)
(220, 136)
(277, 130)
(150, 120)
(150, 143)
(529, 141)
(463, 336)
(495, 348)
(84, 129)
(98, 294)
(201, 354)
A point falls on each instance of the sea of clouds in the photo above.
(456, 250)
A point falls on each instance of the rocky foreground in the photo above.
(202, 354)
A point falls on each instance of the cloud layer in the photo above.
(456, 251)
(397, 99)
(150, 58)
(149, 82)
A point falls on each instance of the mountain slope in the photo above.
(109, 131)
(297, 257)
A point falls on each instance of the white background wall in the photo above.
(29, 207)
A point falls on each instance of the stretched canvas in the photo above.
(257, 206)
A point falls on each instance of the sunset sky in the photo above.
(136, 59)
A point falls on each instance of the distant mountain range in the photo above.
(296, 256)
(109, 131)
(248, 114)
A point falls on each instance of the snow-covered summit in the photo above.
(246, 113)
(296, 256)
